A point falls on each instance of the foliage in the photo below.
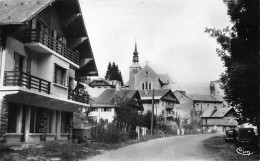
(239, 52)
(127, 117)
(113, 73)
(108, 133)
(132, 134)
(147, 120)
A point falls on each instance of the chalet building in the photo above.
(192, 106)
(105, 104)
(145, 78)
(164, 103)
(44, 48)
(219, 119)
(185, 109)
(103, 83)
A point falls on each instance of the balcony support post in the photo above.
(2, 67)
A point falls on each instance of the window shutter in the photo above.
(28, 67)
(16, 62)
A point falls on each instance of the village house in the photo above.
(164, 103)
(101, 83)
(192, 106)
(44, 49)
(185, 109)
(219, 119)
(104, 105)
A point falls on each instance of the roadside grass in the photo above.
(63, 150)
(60, 150)
(53, 151)
(226, 151)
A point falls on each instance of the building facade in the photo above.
(104, 106)
(164, 103)
(44, 49)
(219, 119)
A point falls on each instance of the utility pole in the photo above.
(152, 114)
(201, 118)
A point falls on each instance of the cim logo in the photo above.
(242, 151)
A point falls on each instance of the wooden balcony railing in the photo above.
(16, 78)
(55, 45)
(78, 96)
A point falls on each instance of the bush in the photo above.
(108, 133)
(132, 134)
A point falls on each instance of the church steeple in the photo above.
(135, 57)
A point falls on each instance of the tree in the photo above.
(113, 73)
(109, 67)
(239, 51)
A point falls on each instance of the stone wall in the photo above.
(3, 117)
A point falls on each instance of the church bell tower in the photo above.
(133, 69)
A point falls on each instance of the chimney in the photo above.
(118, 86)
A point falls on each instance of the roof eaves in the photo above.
(37, 12)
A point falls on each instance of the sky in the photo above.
(169, 34)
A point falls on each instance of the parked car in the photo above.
(231, 135)
(246, 137)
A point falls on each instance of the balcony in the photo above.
(169, 106)
(79, 96)
(21, 79)
(40, 36)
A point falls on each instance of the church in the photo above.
(145, 78)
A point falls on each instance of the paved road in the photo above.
(176, 148)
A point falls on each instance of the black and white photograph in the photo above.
(130, 80)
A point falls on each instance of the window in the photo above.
(107, 110)
(12, 118)
(150, 86)
(60, 75)
(146, 72)
(65, 122)
(143, 86)
(93, 118)
(94, 109)
(38, 120)
(163, 103)
(146, 85)
(18, 62)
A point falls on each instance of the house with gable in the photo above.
(192, 106)
(101, 83)
(164, 103)
(219, 119)
(104, 105)
(44, 48)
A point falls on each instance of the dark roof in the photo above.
(219, 112)
(208, 98)
(19, 11)
(99, 82)
(107, 97)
